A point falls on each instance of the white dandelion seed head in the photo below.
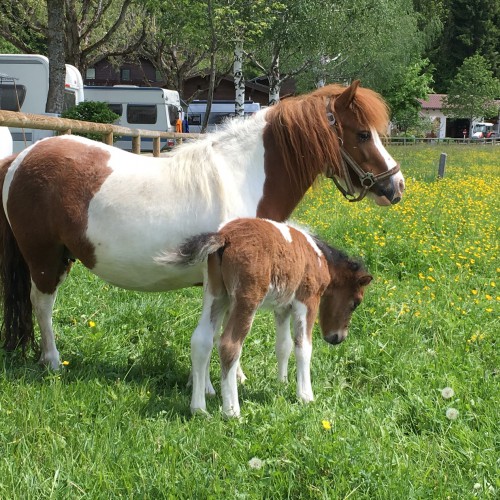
(451, 414)
(477, 486)
(447, 393)
(255, 463)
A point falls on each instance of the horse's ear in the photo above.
(365, 280)
(344, 100)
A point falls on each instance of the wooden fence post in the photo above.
(156, 147)
(442, 164)
(136, 145)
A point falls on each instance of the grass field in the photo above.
(115, 422)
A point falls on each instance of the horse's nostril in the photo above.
(396, 199)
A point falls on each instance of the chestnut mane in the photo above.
(304, 137)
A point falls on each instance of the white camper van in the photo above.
(220, 112)
(148, 108)
(24, 86)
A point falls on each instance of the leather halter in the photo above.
(367, 179)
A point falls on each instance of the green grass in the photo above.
(115, 422)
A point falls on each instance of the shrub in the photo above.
(91, 111)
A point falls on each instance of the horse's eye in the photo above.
(355, 304)
(364, 136)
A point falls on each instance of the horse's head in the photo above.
(344, 293)
(359, 115)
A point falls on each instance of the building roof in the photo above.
(434, 101)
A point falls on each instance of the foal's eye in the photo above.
(364, 136)
(355, 304)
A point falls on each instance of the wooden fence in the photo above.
(411, 141)
(108, 131)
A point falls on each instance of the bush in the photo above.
(91, 111)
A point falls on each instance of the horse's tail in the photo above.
(15, 282)
(194, 250)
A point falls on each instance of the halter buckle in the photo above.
(367, 180)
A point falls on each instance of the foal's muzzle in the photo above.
(336, 337)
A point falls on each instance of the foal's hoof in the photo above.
(209, 389)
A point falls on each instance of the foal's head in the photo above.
(344, 293)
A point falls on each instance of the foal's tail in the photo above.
(17, 327)
(194, 250)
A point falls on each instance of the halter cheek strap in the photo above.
(367, 179)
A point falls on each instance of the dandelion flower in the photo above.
(447, 393)
(91, 324)
(255, 463)
(65, 363)
(326, 425)
(451, 414)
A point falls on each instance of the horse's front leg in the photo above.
(43, 305)
(284, 342)
(303, 322)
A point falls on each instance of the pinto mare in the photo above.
(254, 263)
(67, 198)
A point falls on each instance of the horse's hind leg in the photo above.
(44, 285)
(43, 305)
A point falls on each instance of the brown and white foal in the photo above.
(258, 262)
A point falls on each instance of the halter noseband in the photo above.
(367, 179)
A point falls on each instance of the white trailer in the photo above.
(24, 86)
(220, 112)
(148, 108)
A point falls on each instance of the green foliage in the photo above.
(115, 423)
(91, 111)
(404, 94)
(473, 90)
(470, 26)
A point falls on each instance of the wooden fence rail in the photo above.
(108, 131)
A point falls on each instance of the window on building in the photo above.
(125, 75)
(90, 74)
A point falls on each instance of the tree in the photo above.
(470, 27)
(55, 52)
(403, 96)
(472, 92)
(93, 30)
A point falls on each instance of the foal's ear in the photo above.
(344, 100)
(365, 280)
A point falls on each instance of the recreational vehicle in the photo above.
(24, 86)
(220, 112)
(148, 108)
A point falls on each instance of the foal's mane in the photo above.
(340, 260)
(304, 137)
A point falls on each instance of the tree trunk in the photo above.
(239, 81)
(274, 82)
(211, 83)
(55, 46)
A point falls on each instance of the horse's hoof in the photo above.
(51, 362)
(200, 412)
(209, 390)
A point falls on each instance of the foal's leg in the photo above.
(303, 322)
(239, 323)
(284, 342)
(202, 342)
